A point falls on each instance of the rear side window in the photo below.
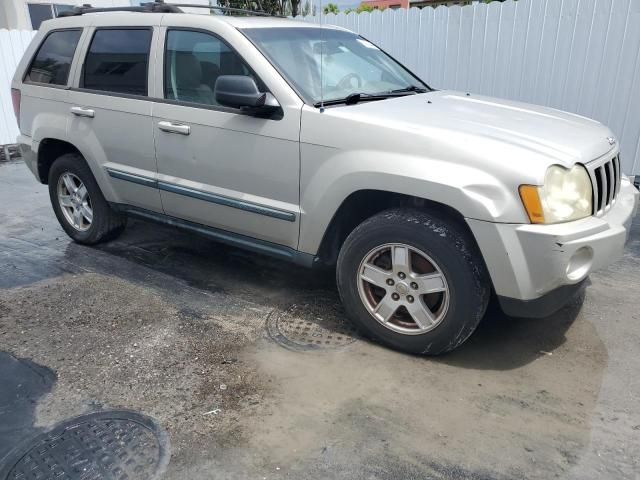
(118, 61)
(53, 61)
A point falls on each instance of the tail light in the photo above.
(15, 98)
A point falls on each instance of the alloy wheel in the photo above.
(75, 202)
(403, 288)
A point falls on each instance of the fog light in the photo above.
(580, 264)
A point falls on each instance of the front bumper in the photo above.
(527, 262)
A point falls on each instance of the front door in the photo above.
(218, 166)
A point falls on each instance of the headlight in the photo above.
(566, 195)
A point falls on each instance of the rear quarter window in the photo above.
(118, 61)
(52, 62)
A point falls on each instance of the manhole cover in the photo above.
(110, 445)
(312, 324)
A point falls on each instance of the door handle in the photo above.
(174, 128)
(83, 112)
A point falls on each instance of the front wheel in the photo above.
(413, 281)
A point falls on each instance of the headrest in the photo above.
(188, 71)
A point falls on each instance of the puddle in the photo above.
(23, 384)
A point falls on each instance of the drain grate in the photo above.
(110, 445)
(312, 324)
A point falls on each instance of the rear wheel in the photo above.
(413, 281)
(78, 203)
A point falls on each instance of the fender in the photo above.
(472, 192)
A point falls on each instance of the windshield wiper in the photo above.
(354, 98)
(410, 88)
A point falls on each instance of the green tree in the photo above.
(365, 7)
(306, 9)
(331, 8)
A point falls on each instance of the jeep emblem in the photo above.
(612, 141)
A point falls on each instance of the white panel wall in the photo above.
(12, 44)
(577, 55)
(14, 14)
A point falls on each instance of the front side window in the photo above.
(53, 61)
(118, 61)
(329, 64)
(194, 61)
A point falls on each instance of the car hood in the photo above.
(563, 137)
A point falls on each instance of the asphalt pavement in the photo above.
(249, 369)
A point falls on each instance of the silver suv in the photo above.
(315, 146)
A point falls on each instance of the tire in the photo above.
(105, 224)
(444, 251)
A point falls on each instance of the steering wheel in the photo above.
(345, 82)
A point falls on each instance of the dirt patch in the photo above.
(4, 309)
(120, 345)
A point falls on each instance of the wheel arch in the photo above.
(363, 204)
(49, 150)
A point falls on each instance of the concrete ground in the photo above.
(174, 326)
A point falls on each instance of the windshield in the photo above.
(351, 65)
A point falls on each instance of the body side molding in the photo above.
(205, 196)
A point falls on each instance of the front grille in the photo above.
(605, 179)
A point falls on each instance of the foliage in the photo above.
(308, 8)
(364, 7)
(274, 7)
(331, 8)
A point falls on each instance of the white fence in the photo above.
(577, 55)
(12, 45)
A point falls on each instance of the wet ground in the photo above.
(213, 343)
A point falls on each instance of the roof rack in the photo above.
(150, 7)
(159, 6)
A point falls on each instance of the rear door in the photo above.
(43, 79)
(218, 166)
(110, 113)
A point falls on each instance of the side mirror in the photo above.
(241, 91)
